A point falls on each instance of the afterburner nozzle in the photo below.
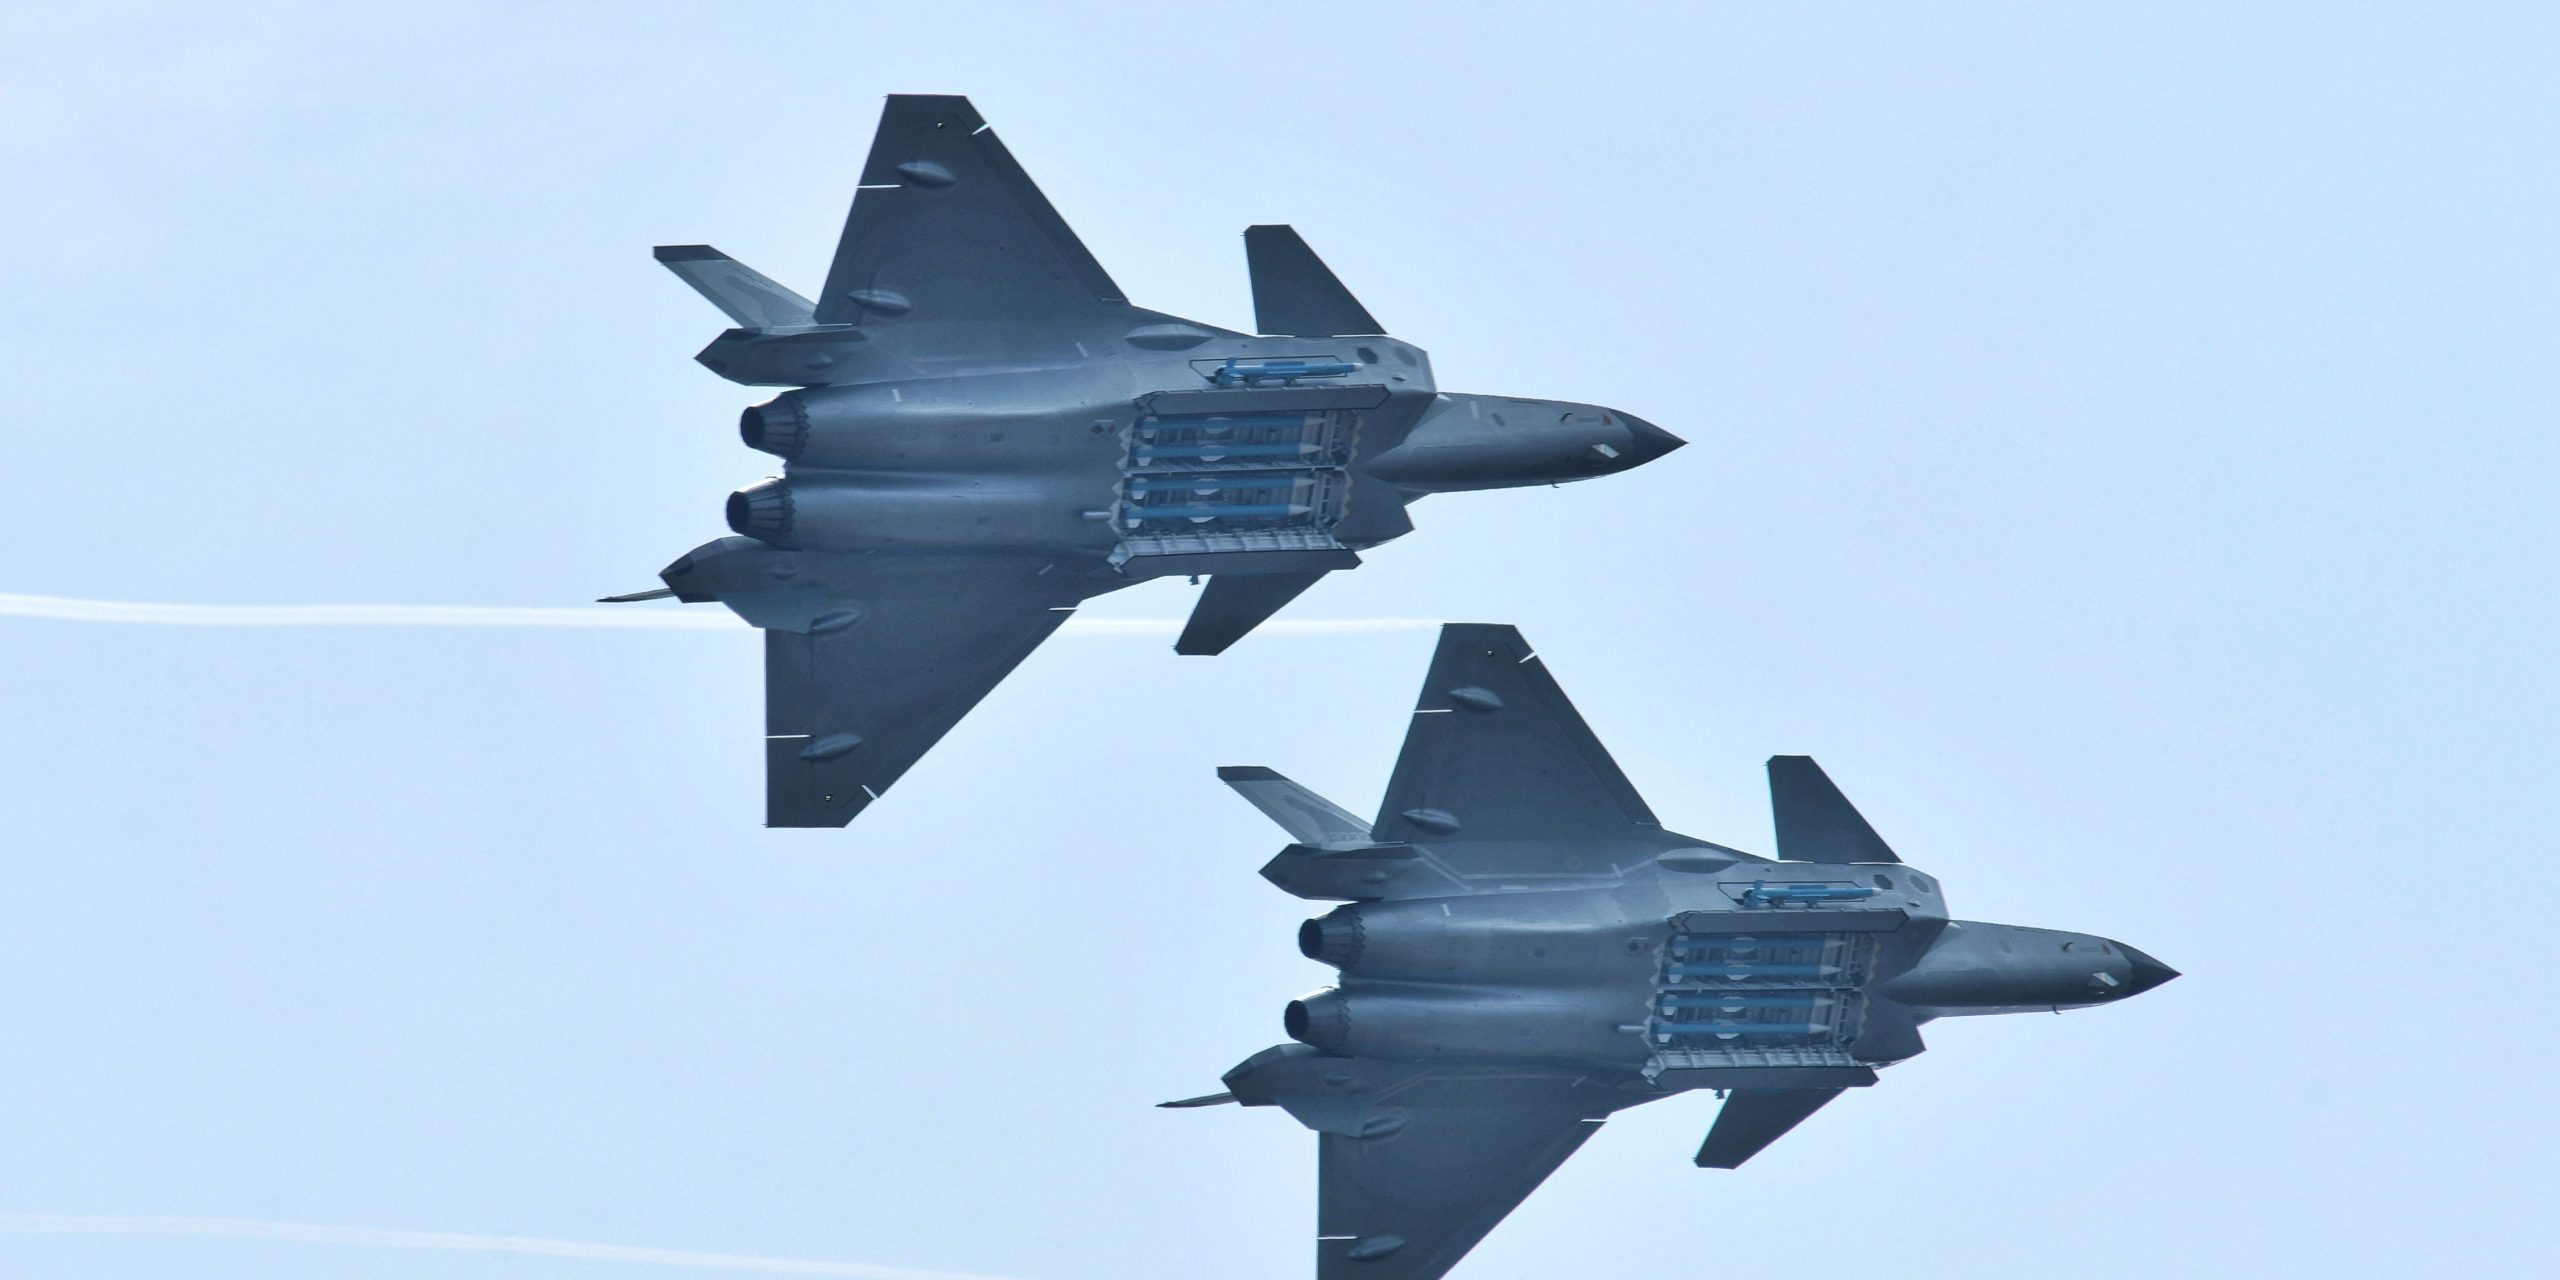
(1320, 1018)
(762, 511)
(779, 426)
(1334, 938)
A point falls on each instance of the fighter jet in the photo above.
(983, 433)
(1526, 950)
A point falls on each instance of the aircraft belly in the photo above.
(1453, 1022)
(936, 512)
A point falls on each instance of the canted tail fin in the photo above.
(1754, 1118)
(1815, 822)
(1235, 603)
(1294, 293)
(1310, 819)
(749, 298)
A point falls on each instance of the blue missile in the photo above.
(1283, 420)
(1748, 944)
(1212, 486)
(1744, 1029)
(1740, 1001)
(1225, 451)
(1759, 893)
(1752, 970)
(1235, 371)
(1212, 513)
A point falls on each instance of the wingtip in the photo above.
(1245, 773)
(1460, 632)
(684, 252)
(964, 111)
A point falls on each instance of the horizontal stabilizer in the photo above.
(1204, 1100)
(1294, 293)
(1754, 1118)
(1815, 822)
(1310, 819)
(1235, 603)
(737, 289)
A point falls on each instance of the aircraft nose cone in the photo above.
(2147, 972)
(1651, 442)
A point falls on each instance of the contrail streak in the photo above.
(639, 618)
(525, 1246)
(70, 609)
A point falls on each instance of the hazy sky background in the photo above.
(2122, 451)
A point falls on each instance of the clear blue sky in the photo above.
(2122, 451)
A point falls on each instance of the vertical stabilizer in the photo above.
(1310, 819)
(1754, 1118)
(1294, 293)
(1235, 603)
(743, 292)
(1815, 822)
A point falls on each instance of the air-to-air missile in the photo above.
(1526, 950)
(984, 433)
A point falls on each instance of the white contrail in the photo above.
(70, 609)
(644, 618)
(308, 1233)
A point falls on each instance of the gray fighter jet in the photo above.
(1527, 950)
(986, 433)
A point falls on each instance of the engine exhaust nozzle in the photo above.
(1334, 938)
(762, 511)
(1321, 1019)
(779, 426)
